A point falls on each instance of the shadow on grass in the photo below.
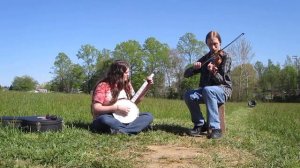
(79, 125)
(175, 129)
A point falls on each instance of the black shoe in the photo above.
(115, 131)
(148, 128)
(215, 134)
(198, 130)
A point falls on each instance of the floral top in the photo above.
(102, 94)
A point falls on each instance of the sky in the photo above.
(33, 32)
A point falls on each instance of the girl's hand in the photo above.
(150, 80)
(122, 110)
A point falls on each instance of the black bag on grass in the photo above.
(10, 121)
(34, 123)
(41, 124)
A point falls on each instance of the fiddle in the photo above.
(218, 60)
(215, 58)
(214, 61)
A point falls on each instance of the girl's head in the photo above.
(213, 41)
(118, 78)
(118, 71)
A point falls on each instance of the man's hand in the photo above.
(212, 68)
(197, 65)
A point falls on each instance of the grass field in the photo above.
(267, 135)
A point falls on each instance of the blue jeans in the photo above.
(213, 97)
(105, 122)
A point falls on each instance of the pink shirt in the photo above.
(103, 93)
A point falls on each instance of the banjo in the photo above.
(132, 114)
(134, 110)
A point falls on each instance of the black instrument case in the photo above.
(33, 123)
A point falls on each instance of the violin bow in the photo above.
(232, 41)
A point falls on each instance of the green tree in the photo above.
(259, 67)
(24, 83)
(173, 73)
(104, 56)
(188, 46)
(132, 52)
(189, 83)
(244, 86)
(271, 80)
(288, 76)
(297, 66)
(76, 77)
(89, 55)
(48, 86)
(103, 62)
(61, 70)
(191, 50)
(156, 57)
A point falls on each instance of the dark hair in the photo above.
(115, 79)
(212, 34)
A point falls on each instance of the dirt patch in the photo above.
(170, 156)
(173, 156)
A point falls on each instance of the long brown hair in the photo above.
(115, 79)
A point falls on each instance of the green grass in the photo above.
(267, 135)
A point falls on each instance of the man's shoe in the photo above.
(215, 134)
(198, 130)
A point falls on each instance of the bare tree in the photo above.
(241, 53)
(173, 73)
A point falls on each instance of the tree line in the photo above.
(258, 81)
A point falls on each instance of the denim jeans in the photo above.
(105, 122)
(213, 97)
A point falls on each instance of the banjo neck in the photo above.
(141, 90)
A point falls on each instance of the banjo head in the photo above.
(132, 114)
